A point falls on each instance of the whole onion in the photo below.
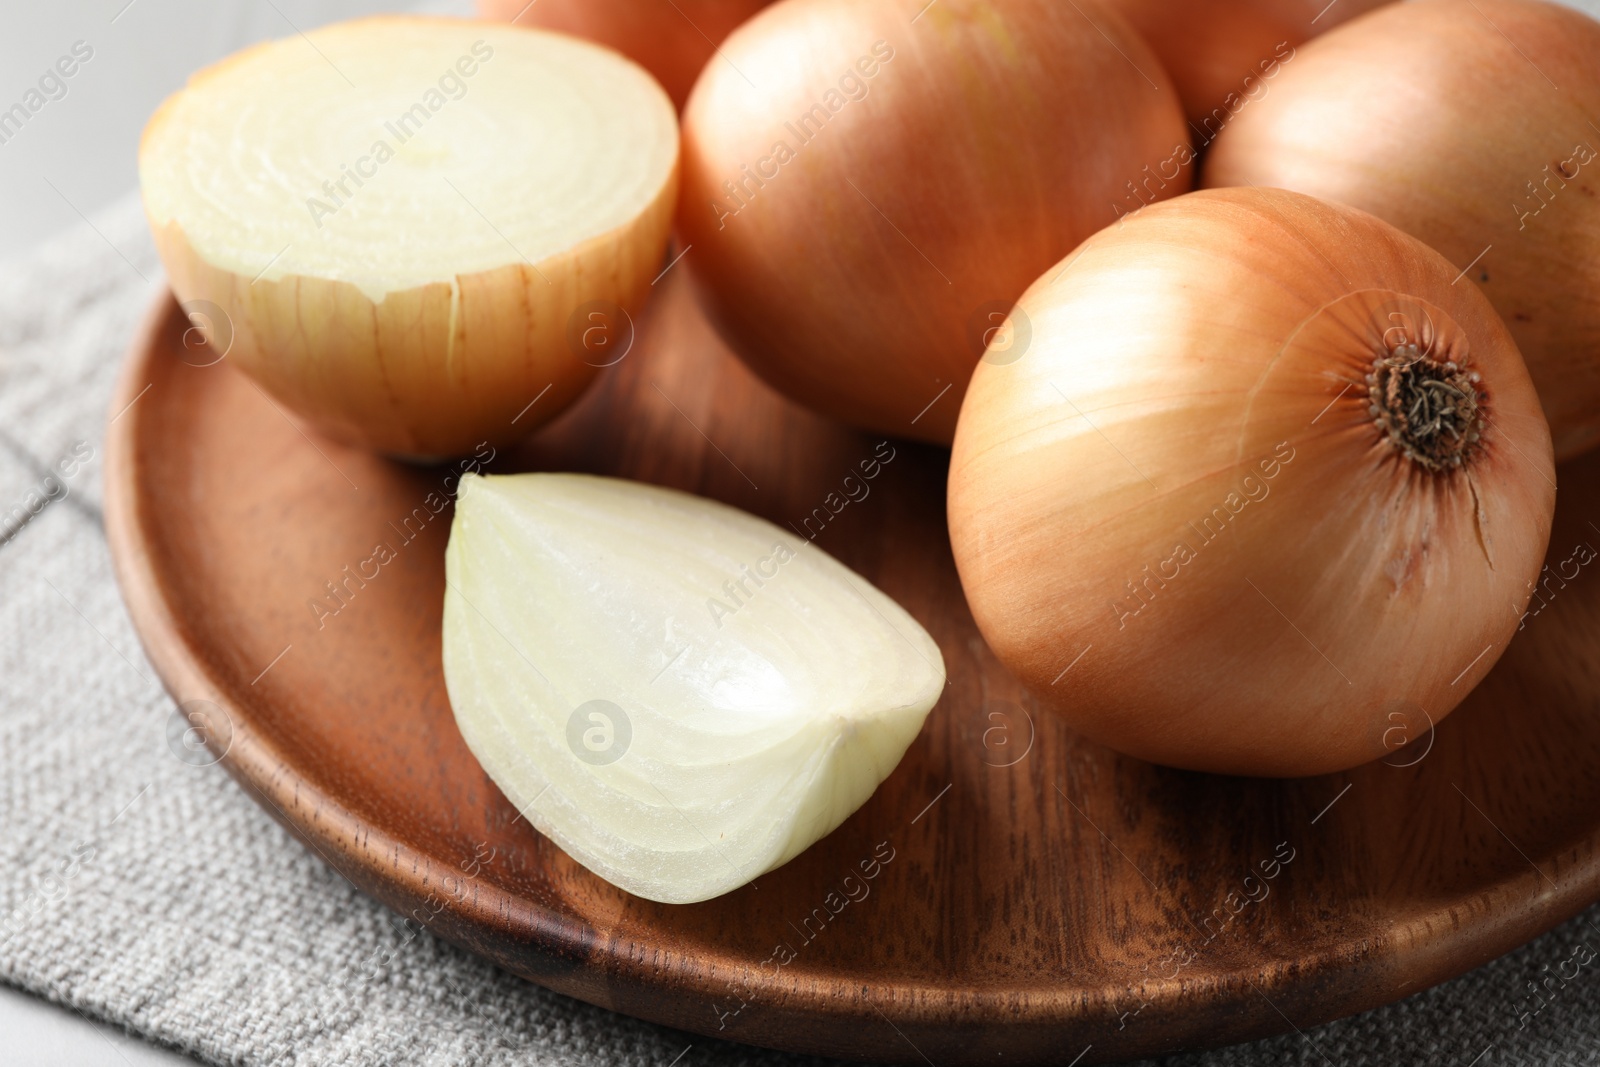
(870, 184)
(1472, 126)
(1264, 478)
(1224, 54)
(672, 39)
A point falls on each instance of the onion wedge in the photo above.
(679, 694)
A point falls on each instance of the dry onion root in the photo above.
(1223, 55)
(1264, 479)
(1475, 127)
(864, 215)
(672, 39)
(677, 693)
(412, 223)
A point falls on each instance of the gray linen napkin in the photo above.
(154, 895)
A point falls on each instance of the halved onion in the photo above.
(1264, 479)
(679, 694)
(672, 39)
(1224, 54)
(413, 222)
(869, 185)
(1475, 127)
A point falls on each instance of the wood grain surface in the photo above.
(1011, 894)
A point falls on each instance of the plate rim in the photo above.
(577, 969)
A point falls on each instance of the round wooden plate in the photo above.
(1011, 893)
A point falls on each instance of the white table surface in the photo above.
(75, 156)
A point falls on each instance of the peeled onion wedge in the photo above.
(409, 229)
(679, 694)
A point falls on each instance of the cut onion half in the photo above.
(679, 694)
(414, 227)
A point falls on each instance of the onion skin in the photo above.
(859, 279)
(396, 376)
(1426, 115)
(1211, 47)
(672, 39)
(1211, 354)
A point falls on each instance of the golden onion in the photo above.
(870, 184)
(1473, 127)
(1264, 478)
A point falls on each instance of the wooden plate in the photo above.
(1011, 894)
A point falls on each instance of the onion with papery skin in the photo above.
(1223, 54)
(1475, 127)
(672, 39)
(1264, 485)
(863, 215)
(413, 223)
(679, 694)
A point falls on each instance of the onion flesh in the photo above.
(1446, 120)
(398, 218)
(679, 694)
(1185, 517)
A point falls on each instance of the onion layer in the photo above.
(410, 222)
(675, 692)
(1263, 479)
(868, 187)
(1223, 54)
(1475, 127)
(672, 39)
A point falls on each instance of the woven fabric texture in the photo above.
(150, 894)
